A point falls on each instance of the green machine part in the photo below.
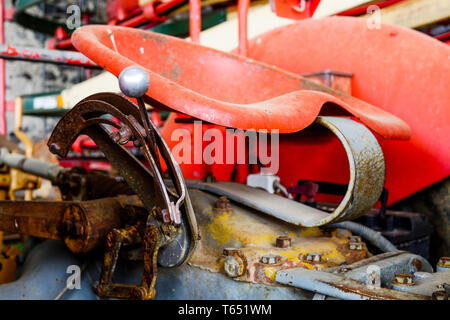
(43, 104)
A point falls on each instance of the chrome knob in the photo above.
(134, 81)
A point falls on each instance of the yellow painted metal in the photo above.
(18, 119)
(18, 179)
(23, 181)
(8, 264)
(252, 235)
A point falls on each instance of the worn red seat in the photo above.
(402, 71)
(223, 88)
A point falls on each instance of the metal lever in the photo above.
(134, 82)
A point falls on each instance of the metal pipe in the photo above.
(242, 15)
(46, 56)
(36, 167)
(195, 20)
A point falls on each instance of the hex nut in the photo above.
(270, 259)
(443, 264)
(358, 246)
(222, 205)
(311, 257)
(233, 266)
(283, 242)
(404, 279)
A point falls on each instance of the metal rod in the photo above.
(2, 73)
(195, 20)
(242, 20)
(45, 56)
(36, 167)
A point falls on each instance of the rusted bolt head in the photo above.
(270, 259)
(283, 242)
(115, 136)
(311, 257)
(404, 279)
(223, 203)
(443, 264)
(356, 246)
(233, 267)
(439, 295)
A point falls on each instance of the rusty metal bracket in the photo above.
(146, 232)
(367, 172)
(367, 168)
(82, 225)
(88, 117)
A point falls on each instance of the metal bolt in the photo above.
(232, 267)
(121, 136)
(439, 295)
(134, 81)
(356, 246)
(223, 203)
(283, 242)
(311, 257)
(443, 264)
(405, 279)
(270, 259)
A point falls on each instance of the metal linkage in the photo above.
(74, 184)
(170, 224)
(82, 225)
(37, 167)
(146, 232)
